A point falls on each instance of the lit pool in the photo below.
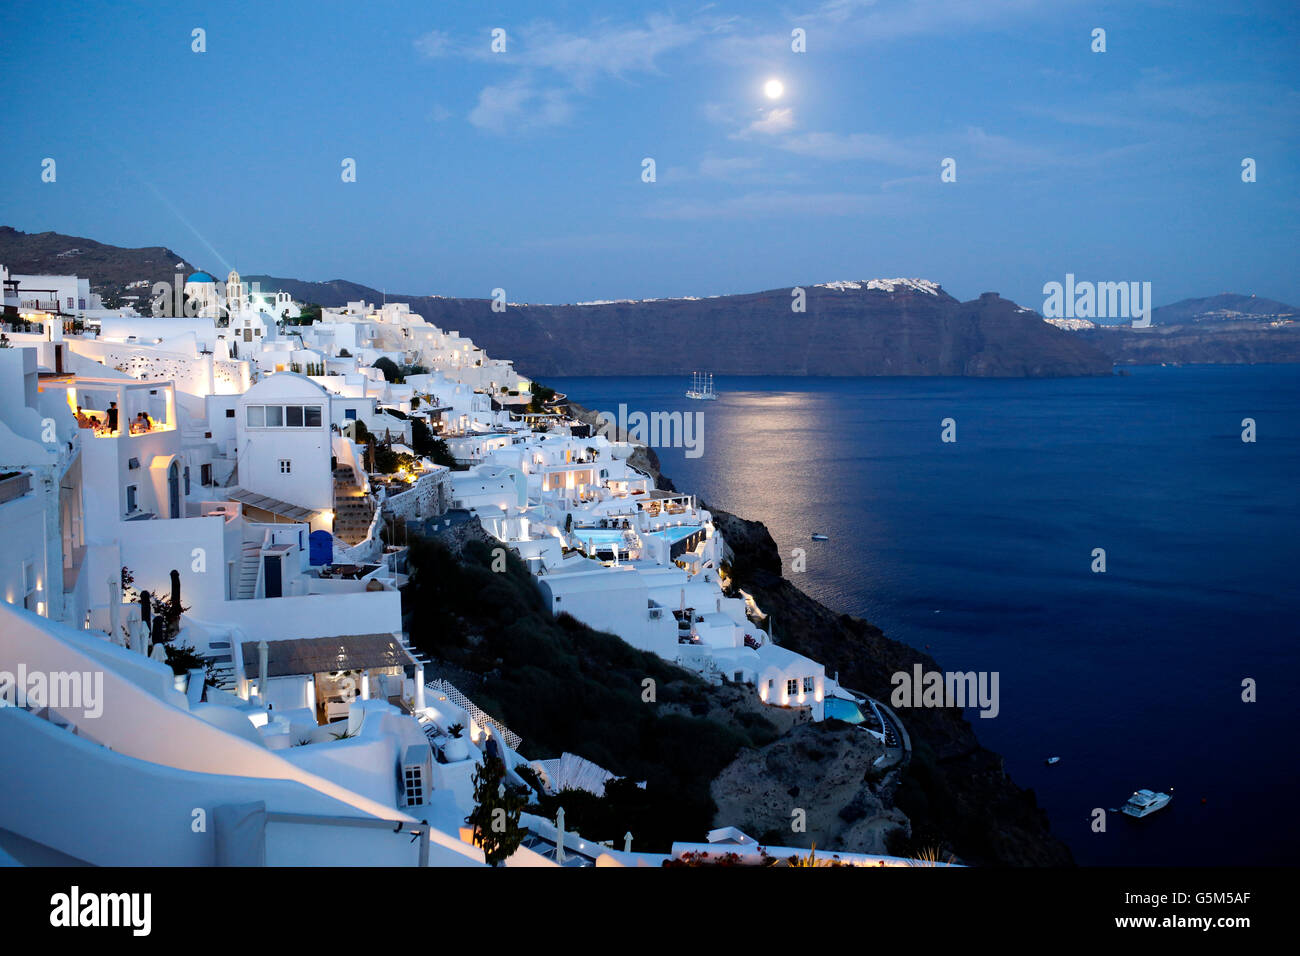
(841, 709)
(673, 535)
(599, 535)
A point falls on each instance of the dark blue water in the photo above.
(981, 552)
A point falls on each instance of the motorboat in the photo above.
(1143, 803)
(820, 537)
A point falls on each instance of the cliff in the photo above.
(1238, 342)
(848, 329)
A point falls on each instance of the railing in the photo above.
(481, 717)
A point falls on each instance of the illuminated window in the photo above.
(256, 416)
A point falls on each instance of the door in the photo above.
(174, 491)
(271, 575)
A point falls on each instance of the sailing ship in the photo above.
(702, 387)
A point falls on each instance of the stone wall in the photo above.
(429, 497)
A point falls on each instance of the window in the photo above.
(205, 474)
(130, 499)
(350, 414)
(187, 479)
(132, 464)
(809, 685)
(284, 416)
(792, 686)
(230, 413)
(29, 585)
(286, 466)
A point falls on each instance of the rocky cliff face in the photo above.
(955, 792)
(1240, 342)
(848, 329)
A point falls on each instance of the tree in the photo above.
(495, 817)
(427, 445)
(392, 373)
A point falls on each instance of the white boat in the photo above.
(1145, 802)
(1053, 760)
(702, 387)
(821, 537)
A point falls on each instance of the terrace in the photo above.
(114, 407)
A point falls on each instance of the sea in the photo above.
(1173, 669)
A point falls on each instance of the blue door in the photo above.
(320, 548)
(271, 575)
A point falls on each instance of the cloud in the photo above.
(434, 44)
(766, 203)
(851, 22)
(520, 106)
(611, 50)
(851, 146)
(778, 119)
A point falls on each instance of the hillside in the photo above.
(876, 327)
(110, 269)
(1225, 307)
(908, 327)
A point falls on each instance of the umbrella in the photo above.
(114, 611)
(262, 667)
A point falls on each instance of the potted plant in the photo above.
(456, 748)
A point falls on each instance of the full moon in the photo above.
(773, 89)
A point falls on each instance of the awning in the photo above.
(275, 506)
(316, 655)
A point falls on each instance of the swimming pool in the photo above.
(841, 709)
(673, 535)
(599, 535)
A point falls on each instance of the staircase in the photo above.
(246, 587)
(353, 508)
(223, 671)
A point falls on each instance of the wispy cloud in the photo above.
(520, 106)
(778, 119)
(766, 203)
(852, 146)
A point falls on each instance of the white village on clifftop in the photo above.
(206, 520)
